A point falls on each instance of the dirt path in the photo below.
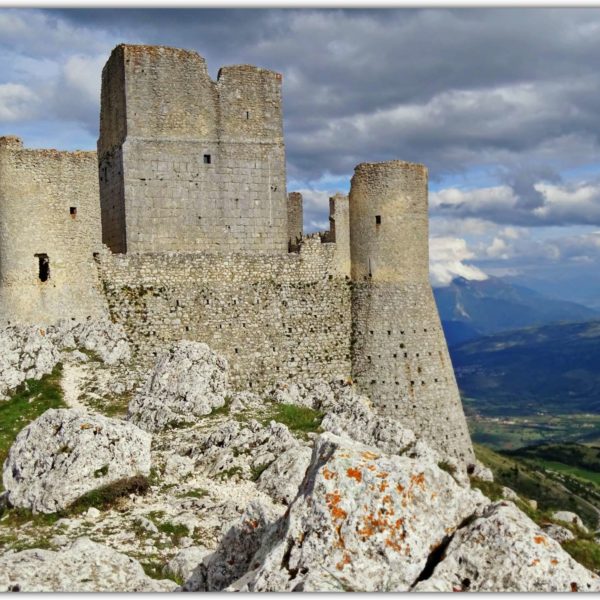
(72, 377)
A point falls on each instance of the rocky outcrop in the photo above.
(558, 533)
(66, 453)
(32, 352)
(282, 479)
(232, 558)
(364, 520)
(188, 382)
(504, 550)
(83, 567)
(570, 517)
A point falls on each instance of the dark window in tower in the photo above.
(43, 267)
(247, 115)
(73, 212)
(207, 160)
(377, 219)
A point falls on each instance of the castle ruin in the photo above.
(180, 227)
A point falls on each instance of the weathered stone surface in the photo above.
(480, 471)
(82, 567)
(66, 453)
(183, 564)
(234, 554)
(504, 550)
(570, 517)
(283, 477)
(187, 382)
(363, 520)
(558, 533)
(509, 494)
(243, 448)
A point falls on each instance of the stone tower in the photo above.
(399, 353)
(49, 232)
(187, 163)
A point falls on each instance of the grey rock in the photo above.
(283, 477)
(364, 520)
(82, 567)
(505, 551)
(183, 564)
(66, 453)
(571, 518)
(509, 494)
(558, 533)
(188, 382)
(480, 471)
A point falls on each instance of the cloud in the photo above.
(446, 261)
(17, 102)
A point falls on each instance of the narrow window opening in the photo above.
(247, 114)
(207, 159)
(73, 212)
(377, 219)
(43, 267)
(236, 350)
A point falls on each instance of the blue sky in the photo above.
(502, 105)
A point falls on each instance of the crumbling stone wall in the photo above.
(399, 354)
(49, 229)
(187, 163)
(279, 317)
(295, 220)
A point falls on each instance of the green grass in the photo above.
(31, 399)
(585, 552)
(299, 419)
(582, 474)
(259, 470)
(198, 493)
(114, 406)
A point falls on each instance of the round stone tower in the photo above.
(399, 354)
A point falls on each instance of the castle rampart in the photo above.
(187, 163)
(49, 231)
(399, 353)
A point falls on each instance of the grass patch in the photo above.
(114, 406)
(156, 570)
(448, 467)
(299, 419)
(16, 517)
(229, 473)
(31, 399)
(259, 470)
(221, 411)
(175, 531)
(197, 493)
(584, 552)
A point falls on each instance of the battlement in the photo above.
(11, 141)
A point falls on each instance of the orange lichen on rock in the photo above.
(354, 474)
(418, 480)
(540, 539)
(328, 474)
(368, 455)
(333, 499)
(345, 561)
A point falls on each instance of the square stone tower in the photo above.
(186, 163)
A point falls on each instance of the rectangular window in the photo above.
(73, 212)
(207, 159)
(377, 219)
(43, 267)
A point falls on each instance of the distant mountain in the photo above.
(549, 368)
(471, 309)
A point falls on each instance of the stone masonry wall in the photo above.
(203, 162)
(295, 220)
(399, 353)
(273, 317)
(48, 206)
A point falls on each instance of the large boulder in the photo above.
(571, 518)
(363, 520)
(282, 478)
(188, 382)
(66, 453)
(505, 551)
(82, 567)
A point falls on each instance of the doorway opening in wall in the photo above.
(43, 267)
(73, 212)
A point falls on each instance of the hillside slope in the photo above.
(550, 368)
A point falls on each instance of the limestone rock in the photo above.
(242, 448)
(282, 479)
(503, 550)
(509, 494)
(480, 471)
(66, 453)
(187, 382)
(558, 533)
(82, 567)
(363, 520)
(570, 517)
(232, 558)
(186, 561)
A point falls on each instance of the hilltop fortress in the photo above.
(180, 227)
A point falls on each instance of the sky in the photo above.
(502, 105)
